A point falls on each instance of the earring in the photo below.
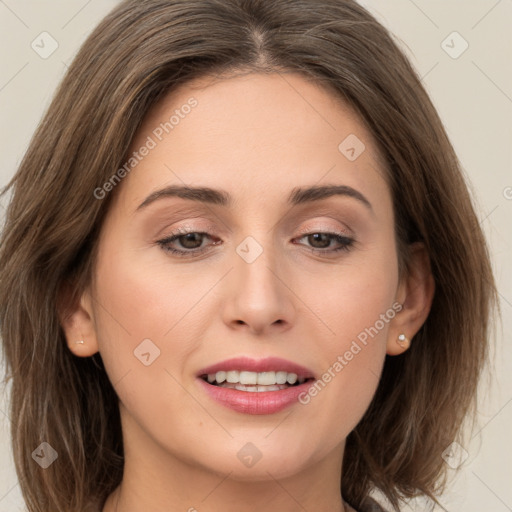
(403, 341)
(79, 341)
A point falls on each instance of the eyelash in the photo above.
(345, 241)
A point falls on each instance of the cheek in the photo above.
(142, 335)
(355, 305)
(355, 295)
(140, 298)
(149, 319)
(133, 311)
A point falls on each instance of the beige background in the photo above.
(473, 94)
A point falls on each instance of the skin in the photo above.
(257, 137)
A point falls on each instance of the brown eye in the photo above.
(190, 240)
(321, 242)
(185, 243)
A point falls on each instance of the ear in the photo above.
(415, 293)
(76, 318)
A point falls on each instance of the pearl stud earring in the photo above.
(403, 341)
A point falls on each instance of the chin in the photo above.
(252, 461)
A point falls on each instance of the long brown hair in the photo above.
(139, 52)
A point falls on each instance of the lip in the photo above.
(266, 402)
(268, 364)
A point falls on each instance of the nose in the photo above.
(259, 297)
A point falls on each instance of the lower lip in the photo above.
(264, 402)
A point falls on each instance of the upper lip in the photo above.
(268, 364)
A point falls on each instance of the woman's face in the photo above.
(257, 280)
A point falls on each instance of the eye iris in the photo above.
(191, 237)
(314, 237)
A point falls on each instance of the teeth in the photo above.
(266, 379)
(253, 379)
(248, 378)
(233, 376)
(241, 387)
(281, 377)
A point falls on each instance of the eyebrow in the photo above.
(222, 198)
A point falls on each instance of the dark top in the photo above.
(369, 505)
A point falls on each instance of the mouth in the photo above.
(255, 386)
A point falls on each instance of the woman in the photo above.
(241, 269)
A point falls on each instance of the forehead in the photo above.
(255, 133)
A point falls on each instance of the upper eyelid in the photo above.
(213, 227)
(301, 232)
